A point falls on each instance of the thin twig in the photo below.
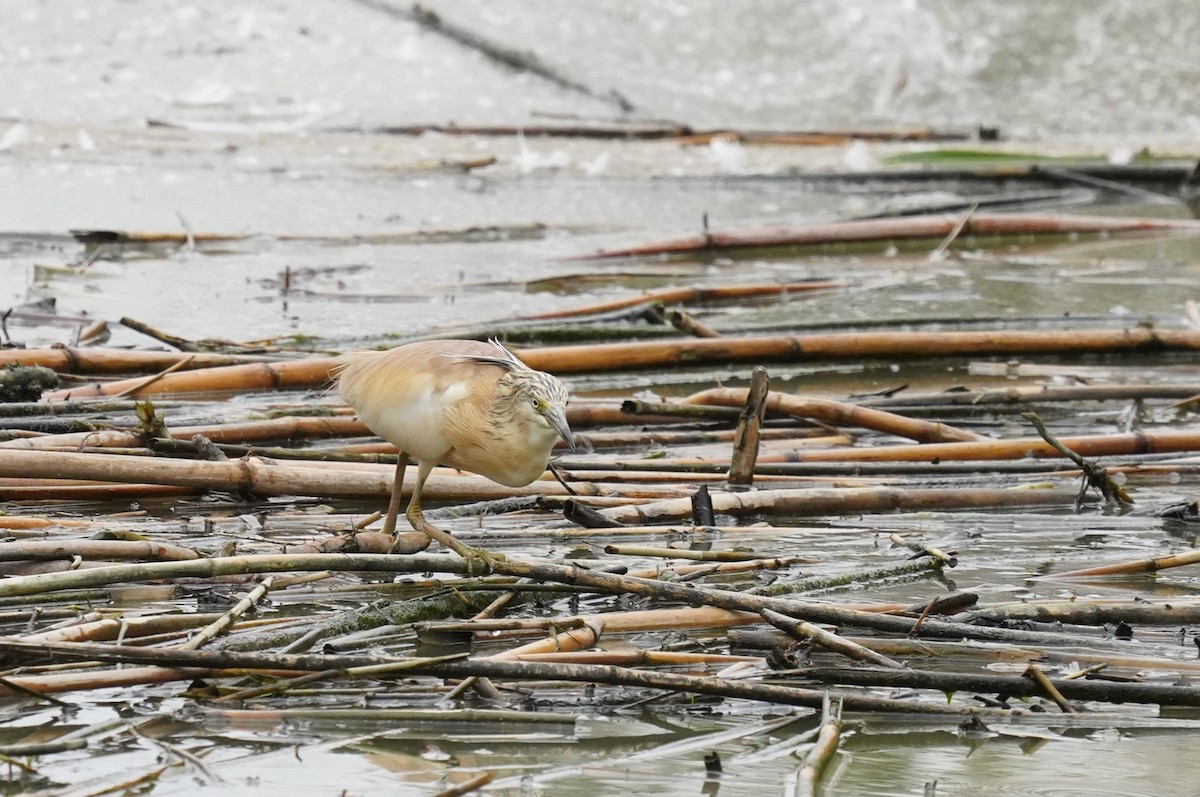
(230, 617)
(154, 378)
(1093, 475)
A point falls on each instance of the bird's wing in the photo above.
(403, 394)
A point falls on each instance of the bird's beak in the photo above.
(558, 419)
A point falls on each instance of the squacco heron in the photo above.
(462, 403)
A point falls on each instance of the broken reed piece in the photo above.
(746, 438)
(1085, 672)
(206, 448)
(124, 628)
(702, 508)
(183, 344)
(475, 783)
(687, 323)
(823, 750)
(640, 620)
(944, 604)
(667, 409)
(839, 413)
(231, 616)
(244, 377)
(1050, 689)
(282, 685)
(924, 550)
(406, 542)
(940, 252)
(142, 383)
(682, 295)
(855, 346)
(89, 549)
(682, 553)
(581, 514)
(1130, 567)
(566, 641)
(826, 639)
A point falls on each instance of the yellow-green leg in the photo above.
(417, 518)
(389, 523)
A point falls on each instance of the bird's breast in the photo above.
(513, 455)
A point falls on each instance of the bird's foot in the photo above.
(479, 561)
(475, 556)
(486, 560)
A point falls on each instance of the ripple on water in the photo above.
(1103, 764)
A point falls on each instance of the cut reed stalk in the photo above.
(314, 372)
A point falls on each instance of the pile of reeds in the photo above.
(682, 521)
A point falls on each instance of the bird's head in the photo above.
(542, 399)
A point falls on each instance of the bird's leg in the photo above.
(417, 518)
(389, 523)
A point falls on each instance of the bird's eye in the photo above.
(536, 402)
